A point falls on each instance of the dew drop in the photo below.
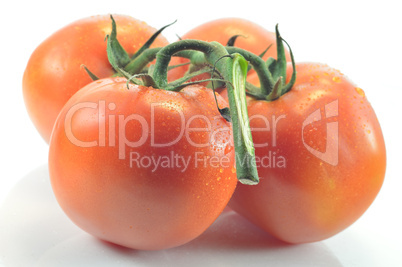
(360, 91)
(228, 149)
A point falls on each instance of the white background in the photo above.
(361, 38)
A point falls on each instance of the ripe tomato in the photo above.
(54, 73)
(254, 38)
(320, 156)
(141, 167)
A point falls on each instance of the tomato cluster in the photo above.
(147, 158)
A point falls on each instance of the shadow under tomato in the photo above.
(35, 232)
(233, 241)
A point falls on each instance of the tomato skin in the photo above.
(313, 197)
(254, 38)
(54, 73)
(137, 206)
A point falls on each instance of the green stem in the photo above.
(265, 77)
(234, 70)
(244, 146)
(181, 81)
(141, 61)
(164, 55)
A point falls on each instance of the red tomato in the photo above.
(141, 167)
(254, 38)
(320, 156)
(54, 71)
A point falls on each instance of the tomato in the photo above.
(320, 156)
(254, 38)
(141, 167)
(54, 73)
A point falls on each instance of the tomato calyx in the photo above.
(271, 73)
(90, 73)
(135, 68)
(120, 60)
(233, 39)
(278, 69)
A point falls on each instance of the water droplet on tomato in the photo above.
(228, 149)
(360, 91)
